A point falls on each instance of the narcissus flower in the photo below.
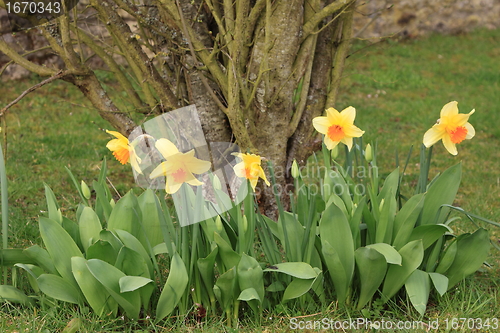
(338, 127)
(178, 167)
(250, 168)
(452, 127)
(123, 151)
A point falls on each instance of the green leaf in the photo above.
(447, 258)
(60, 246)
(297, 288)
(391, 185)
(109, 276)
(102, 206)
(291, 234)
(249, 294)
(126, 215)
(372, 267)
(412, 255)
(95, 293)
(391, 255)
(383, 233)
(174, 288)
(250, 275)
(33, 273)
(428, 233)
(225, 288)
(418, 288)
(206, 269)
(160, 249)
(472, 251)
(102, 250)
(442, 191)
(133, 243)
(89, 226)
(228, 255)
(405, 220)
(131, 263)
(59, 288)
(149, 205)
(131, 283)
(299, 270)
(52, 206)
(14, 295)
(337, 248)
(42, 258)
(440, 282)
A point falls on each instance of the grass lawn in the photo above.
(397, 88)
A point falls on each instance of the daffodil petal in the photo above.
(253, 182)
(349, 114)
(134, 161)
(329, 143)
(116, 144)
(470, 131)
(166, 147)
(171, 187)
(196, 165)
(159, 171)
(348, 142)
(332, 115)
(321, 124)
(450, 109)
(117, 135)
(433, 135)
(263, 176)
(450, 146)
(353, 131)
(194, 181)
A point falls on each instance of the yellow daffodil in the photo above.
(178, 167)
(338, 127)
(452, 127)
(123, 151)
(250, 168)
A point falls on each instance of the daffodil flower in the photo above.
(123, 151)
(338, 127)
(452, 127)
(250, 168)
(178, 167)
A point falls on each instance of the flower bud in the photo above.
(335, 152)
(216, 183)
(85, 190)
(218, 224)
(368, 153)
(112, 203)
(245, 224)
(295, 170)
(381, 205)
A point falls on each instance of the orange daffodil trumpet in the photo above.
(250, 168)
(338, 127)
(178, 167)
(123, 151)
(452, 128)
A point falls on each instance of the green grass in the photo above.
(398, 89)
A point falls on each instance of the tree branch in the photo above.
(316, 19)
(56, 76)
(18, 59)
(340, 56)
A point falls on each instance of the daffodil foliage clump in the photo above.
(349, 240)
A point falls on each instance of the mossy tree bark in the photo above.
(257, 70)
